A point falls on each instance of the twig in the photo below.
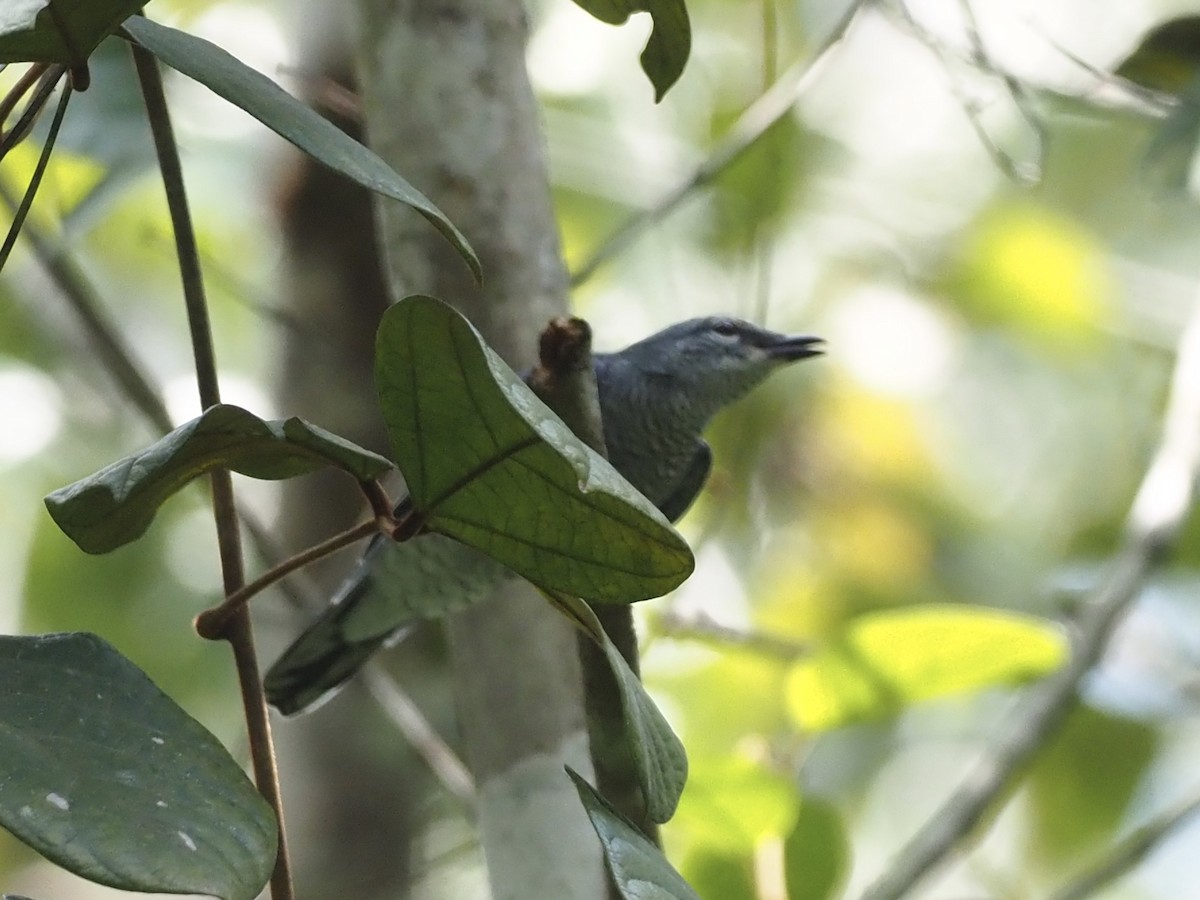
(768, 109)
(704, 628)
(22, 210)
(1025, 174)
(420, 734)
(213, 623)
(41, 79)
(1163, 499)
(1128, 853)
(28, 80)
(240, 633)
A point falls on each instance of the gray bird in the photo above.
(656, 398)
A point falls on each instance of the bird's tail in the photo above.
(320, 662)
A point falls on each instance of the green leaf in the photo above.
(328, 448)
(290, 119)
(487, 463)
(670, 41)
(58, 31)
(658, 754)
(816, 854)
(116, 505)
(106, 776)
(638, 868)
(1082, 784)
(714, 874)
(892, 659)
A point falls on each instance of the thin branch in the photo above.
(1020, 172)
(703, 627)
(213, 623)
(46, 78)
(28, 80)
(35, 180)
(239, 634)
(1129, 853)
(768, 109)
(420, 734)
(1163, 500)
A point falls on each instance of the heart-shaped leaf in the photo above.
(670, 40)
(266, 101)
(106, 776)
(638, 868)
(58, 31)
(658, 754)
(487, 463)
(116, 505)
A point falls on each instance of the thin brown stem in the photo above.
(381, 503)
(35, 180)
(212, 623)
(47, 78)
(239, 632)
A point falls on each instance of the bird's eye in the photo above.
(726, 328)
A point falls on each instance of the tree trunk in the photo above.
(448, 104)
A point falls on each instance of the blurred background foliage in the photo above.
(999, 350)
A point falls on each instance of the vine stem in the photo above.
(239, 632)
(213, 623)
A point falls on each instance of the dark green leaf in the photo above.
(488, 464)
(116, 505)
(332, 449)
(659, 756)
(816, 855)
(638, 868)
(670, 42)
(290, 119)
(106, 776)
(1083, 783)
(58, 31)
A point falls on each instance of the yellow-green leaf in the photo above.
(888, 660)
(731, 804)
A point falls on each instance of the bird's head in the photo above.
(717, 358)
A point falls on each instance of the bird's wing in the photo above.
(688, 487)
(393, 586)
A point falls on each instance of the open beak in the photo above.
(790, 349)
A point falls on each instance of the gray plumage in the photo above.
(656, 398)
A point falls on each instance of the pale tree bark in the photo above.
(448, 104)
(352, 808)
